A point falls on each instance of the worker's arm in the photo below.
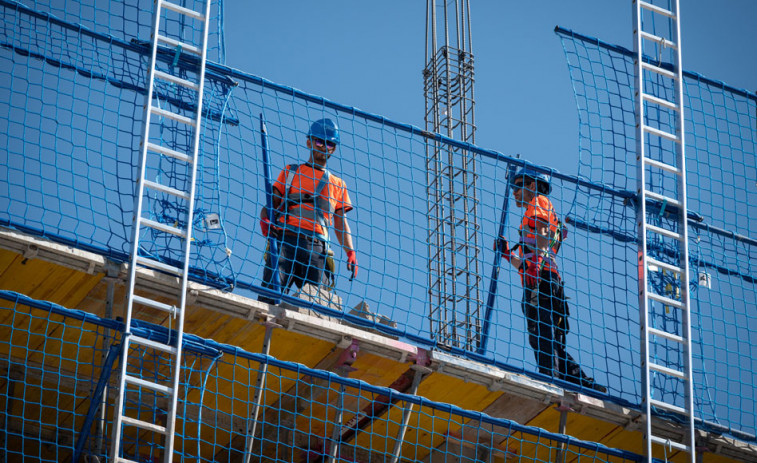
(542, 236)
(515, 261)
(342, 230)
(276, 204)
(344, 235)
(542, 241)
(265, 223)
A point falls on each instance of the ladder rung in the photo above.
(169, 152)
(661, 165)
(145, 262)
(166, 189)
(662, 198)
(152, 344)
(144, 425)
(666, 335)
(670, 443)
(656, 38)
(173, 116)
(148, 384)
(661, 133)
(659, 70)
(666, 266)
(154, 304)
(666, 300)
(657, 9)
(185, 11)
(175, 43)
(163, 227)
(667, 371)
(663, 232)
(667, 406)
(658, 101)
(177, 80)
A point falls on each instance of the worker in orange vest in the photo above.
(307, 200)
(544, 304)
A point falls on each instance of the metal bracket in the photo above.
(112, 270)
(343, 366)
(30, 252)
(192, 296)
(564, 406)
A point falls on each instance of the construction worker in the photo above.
(544, 304)
(307, 200)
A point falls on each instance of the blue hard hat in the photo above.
(325, 129)
(543, 181)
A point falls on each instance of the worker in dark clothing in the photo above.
(307, 200)
(544, 303)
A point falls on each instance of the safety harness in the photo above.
(559, 231)
(292, 206)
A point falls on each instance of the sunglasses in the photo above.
(323, 143)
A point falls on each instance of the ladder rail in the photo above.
(171, 423)
(641, 223)
(118, 420)
(646, 296)
(684, 245)
(136, 261)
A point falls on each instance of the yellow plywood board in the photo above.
(6, 259)
(378, 371)
(43, 280)
(441, 388)
(298, 348)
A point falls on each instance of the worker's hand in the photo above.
(503, 247)
(265, 226)
(352, 263)
(532, 270)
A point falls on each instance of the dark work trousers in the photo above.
(547, 313)
(302, 259)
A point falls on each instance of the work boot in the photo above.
(584, 381)
(591, 384)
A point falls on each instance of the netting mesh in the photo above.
(59, 359)
(721, 142)
(71, 100)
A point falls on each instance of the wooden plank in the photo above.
(6, 260)
(26, 275)
(518, 409)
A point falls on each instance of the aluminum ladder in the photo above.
(151, 152)
(646, 13)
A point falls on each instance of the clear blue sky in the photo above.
(370, 55)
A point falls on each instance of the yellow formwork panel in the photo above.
(6, 259)
(322, 412)
(298, 348)
(46, 281)
(378, 371)
(428, 427)
(441, 388)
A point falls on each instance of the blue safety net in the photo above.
(721, 170)
(71, 97)
(58, 373)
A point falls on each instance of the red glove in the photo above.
(352, 263)
(503, 247)
(532, 270)
(265, 226)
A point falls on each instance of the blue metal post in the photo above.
(273, 245)
(495, 268)
(96, 400)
